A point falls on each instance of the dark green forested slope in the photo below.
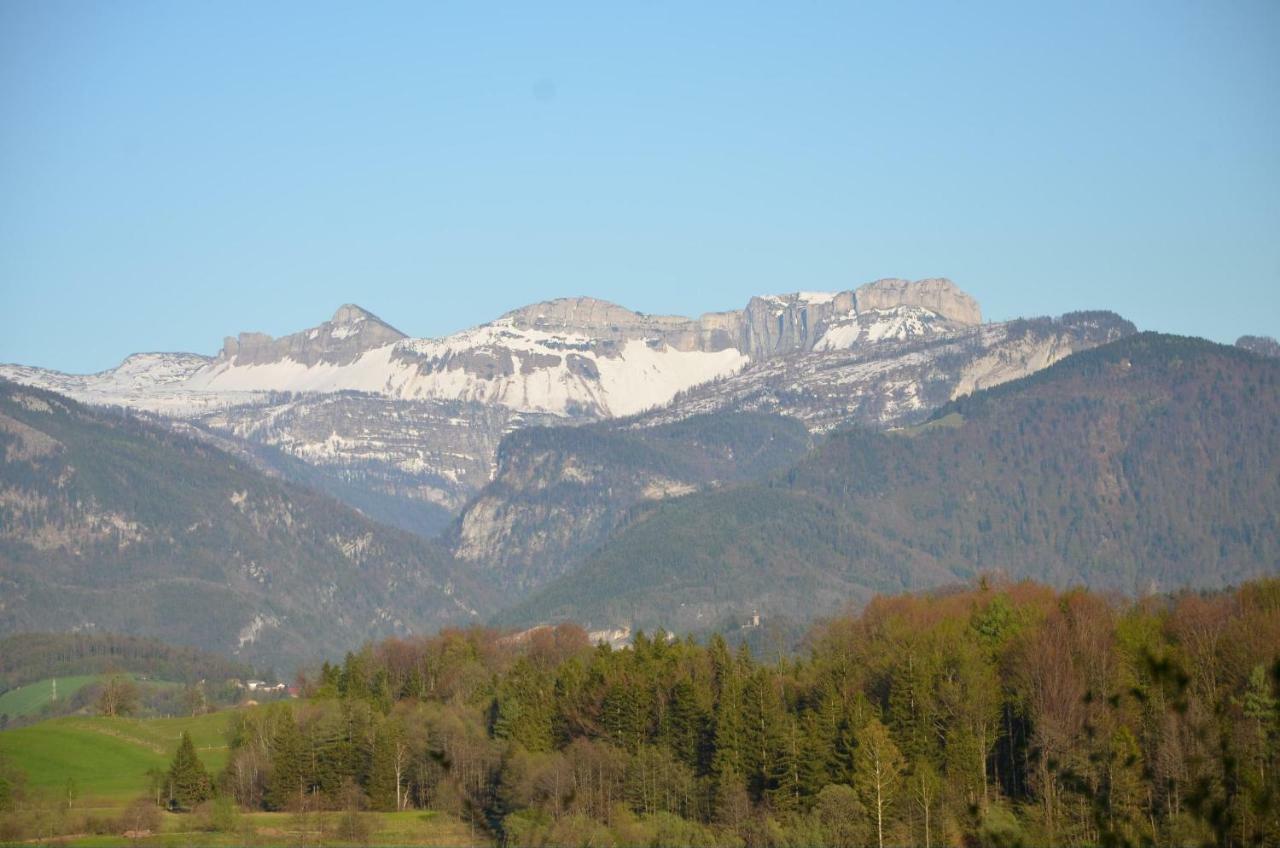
(560, 491)
(1153, 461)
(27, 657)
(108, 523)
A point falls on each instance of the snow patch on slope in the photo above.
(876, 325)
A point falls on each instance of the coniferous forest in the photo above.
(1004, 714)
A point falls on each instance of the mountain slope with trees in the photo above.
(109, 523)
(559, 492)
(1147, 463)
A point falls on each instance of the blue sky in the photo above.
(174, 172)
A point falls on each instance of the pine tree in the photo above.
(188, 781)
(684, 725)
(285, 786)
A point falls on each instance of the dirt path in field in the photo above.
(122, 736)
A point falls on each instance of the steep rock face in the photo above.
(938, 295)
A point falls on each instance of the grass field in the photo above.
(30, 699)
(108, 758)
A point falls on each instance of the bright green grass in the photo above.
(108, 758)
(30, 699)
(947, 422)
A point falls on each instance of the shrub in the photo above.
(141, 816)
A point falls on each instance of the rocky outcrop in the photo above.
(913, 366)
(938, 295)
(769, 325)
(339, 341)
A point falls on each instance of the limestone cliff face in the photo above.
(938, 295)
(777, 325)
(769, 325)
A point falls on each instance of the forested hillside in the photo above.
(1004, 714)
(35, 656)
(560, 491)
(1149, 463)
(109, 523)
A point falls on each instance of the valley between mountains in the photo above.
(577, 460)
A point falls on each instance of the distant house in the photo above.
(262, 686)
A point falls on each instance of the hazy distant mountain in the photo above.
(1147, 463)
(408, 430)
(108, 523)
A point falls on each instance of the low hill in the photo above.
(27, 657)
(109, 523)
(1151, 462)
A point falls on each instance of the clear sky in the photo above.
(174, 172)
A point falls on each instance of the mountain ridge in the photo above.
(1148, 459)
(112, 523)
(381, 419)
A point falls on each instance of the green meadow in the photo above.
(31, 699)
(107, 760)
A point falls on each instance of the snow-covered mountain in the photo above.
(373, 410)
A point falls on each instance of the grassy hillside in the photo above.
(108, 758)
(111, 523)
(31, 699)
(1150, 462)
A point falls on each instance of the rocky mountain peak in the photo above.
(937, 294)
(339, 341)
(588, 315)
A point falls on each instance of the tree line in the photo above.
(1001, 714)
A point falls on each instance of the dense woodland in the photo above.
(1004, 714)
(27, 657)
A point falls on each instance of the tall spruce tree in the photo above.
(286, 783)
(189, 783)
